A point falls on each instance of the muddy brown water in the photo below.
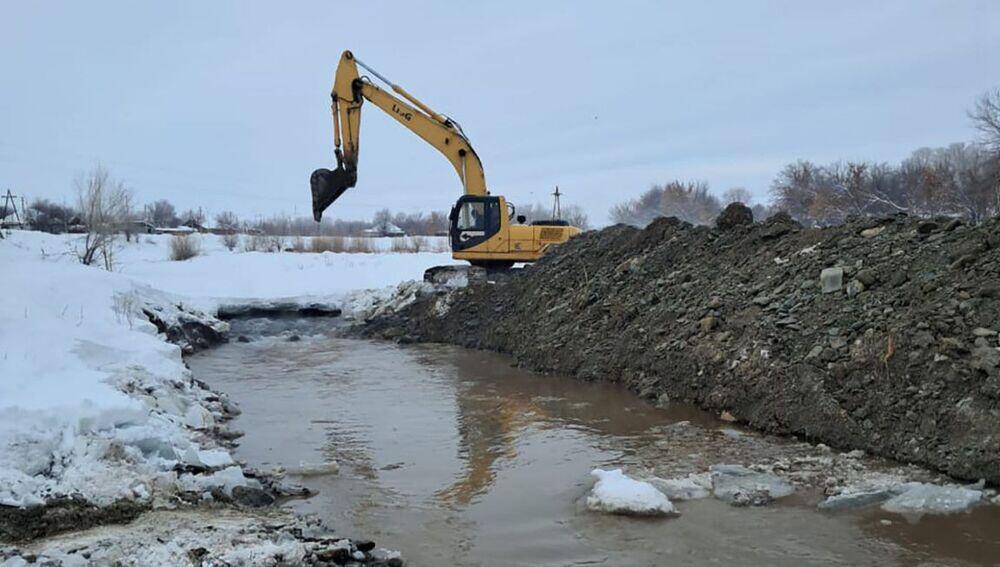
(455, 457)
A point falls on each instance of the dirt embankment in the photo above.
(894, 349)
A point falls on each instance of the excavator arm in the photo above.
(350, 90)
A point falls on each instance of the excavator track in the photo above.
(457, 274)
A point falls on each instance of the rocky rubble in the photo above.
(217, 538)
(188, 328)
(880, 334)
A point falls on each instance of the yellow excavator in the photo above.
(484, 229)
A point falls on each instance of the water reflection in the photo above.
(458, 458)
(495, 403)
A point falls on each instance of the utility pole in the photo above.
(556, 208)
(9, 207)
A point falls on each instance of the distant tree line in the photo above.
(46, 215)
(691, 202)
(415, 224)
(961, 180)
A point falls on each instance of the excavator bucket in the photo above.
(328, 185)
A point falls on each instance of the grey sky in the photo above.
(225, 105)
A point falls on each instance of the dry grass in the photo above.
(231, 241)
(320, 244)
(404, 245)
(259, 243)
(437, 245)
(184, 247)
(275, 243)
(342, 244)
(361, 245)
(415, 244)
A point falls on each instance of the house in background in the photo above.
(10, 220)
(139, 226)
(384, 229)
(180, 230)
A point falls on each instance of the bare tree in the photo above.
(959, 181)
(437, 223)
(639, 211)
(103, 206)
(227, 220)
(194, 218)
(794, 190)
(688, 201)
(382, 221)
(163, 214)
(130, 216)
(762, 212)
(986, 117)
(231, 240)
(691, 202)
(50, 217)
(576, 216)
(738, 195)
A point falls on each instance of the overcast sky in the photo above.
(225, 104)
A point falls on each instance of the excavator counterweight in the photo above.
(482, 229)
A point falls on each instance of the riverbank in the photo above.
(493, 465)
(878, 335)
(100, 419)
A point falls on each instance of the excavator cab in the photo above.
(474, 220)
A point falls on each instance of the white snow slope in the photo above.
(93, 402)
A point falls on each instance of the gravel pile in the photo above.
(880, 334)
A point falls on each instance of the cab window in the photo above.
(472, 216)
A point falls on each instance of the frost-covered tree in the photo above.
(163, 214)
(738, 195)
(103, 205)
(688, 201)
(227, 220)
(986, 117)
(47, 216)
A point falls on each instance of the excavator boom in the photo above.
(350, 91)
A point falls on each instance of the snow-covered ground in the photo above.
(94, 403)
(219, 275)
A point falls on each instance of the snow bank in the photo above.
(94, 402)
(616, 493)
(71, 347)
(221, 276)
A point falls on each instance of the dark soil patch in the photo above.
(62, 515)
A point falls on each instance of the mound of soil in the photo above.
(880, 334)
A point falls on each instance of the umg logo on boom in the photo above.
(407, 115)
